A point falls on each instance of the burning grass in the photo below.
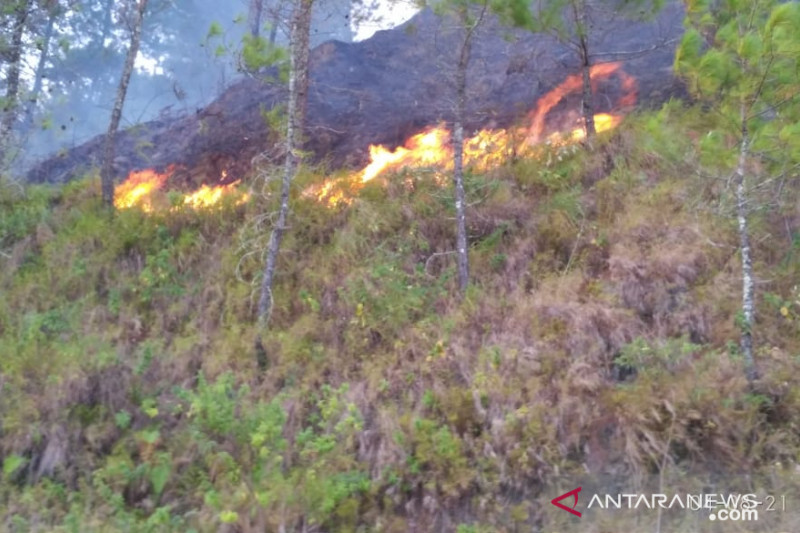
(486, 149)
(141, 190)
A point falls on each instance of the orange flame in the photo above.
(572, 84)
(141, 186)
(487, 148)
(207, 196)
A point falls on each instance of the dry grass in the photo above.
(598, 337)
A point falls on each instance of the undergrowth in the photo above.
(599, 336)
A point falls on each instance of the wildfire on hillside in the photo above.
(140, 187)
(487, 148)
(431, 148)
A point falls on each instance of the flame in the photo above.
(141, 186)
(574, 83)
(429, 148)
(207, 196)
(487, 148)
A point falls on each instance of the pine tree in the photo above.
(469, 15)
(742, 59)
(12, 52)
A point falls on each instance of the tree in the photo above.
(52, 11)
(107, 173)
(296, 113)
(576, 24)
(12, 53)
(469, 24)
(741, 59)
(255, 16)
(469, 15)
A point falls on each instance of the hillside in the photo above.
(598, 343)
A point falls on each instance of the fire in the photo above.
(138, 189)
(487, 148)
(141, 186)
(574, 83)
(207, 196)
(428, 148)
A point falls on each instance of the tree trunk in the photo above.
(587, 105)
(108, 22)
(458, 160)
(748, 285)
(273, 31)
(44, 54)
(11, 104)
(256, 12)
(298, 93)
(106, 173)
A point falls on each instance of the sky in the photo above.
(387, 14)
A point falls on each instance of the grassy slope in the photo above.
(599, 336)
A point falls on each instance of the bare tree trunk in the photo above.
(38, 81)
(587, 105)
(298, 94)
(462, 250)
(106, 172)
(11, 104)
(748, 285)
(273, 31)
(256, 13)
(274, 15)
(458, 163)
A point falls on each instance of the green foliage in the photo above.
(743, 58)
(18, 216)
(259, 53)
(647, 357)
(12, 464)
(122, 419)
(215, 30)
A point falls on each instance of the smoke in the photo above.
(182, 65)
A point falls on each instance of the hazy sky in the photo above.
(388, 14)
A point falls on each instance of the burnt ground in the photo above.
(382, 90)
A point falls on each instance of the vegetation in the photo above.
(620, 297)
(599, 333)
(746, 68)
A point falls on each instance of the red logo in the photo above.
(557, 501)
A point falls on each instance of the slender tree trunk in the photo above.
(256, 12)
(44, 55)
(107, 22)
(587, 105)
(273, 15)
(273, 31)
(462, 246)
(11, 103)
(458, 161)
(748, 285)
(106, 172)
(298, 93)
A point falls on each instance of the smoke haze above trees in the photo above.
(73, 51)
